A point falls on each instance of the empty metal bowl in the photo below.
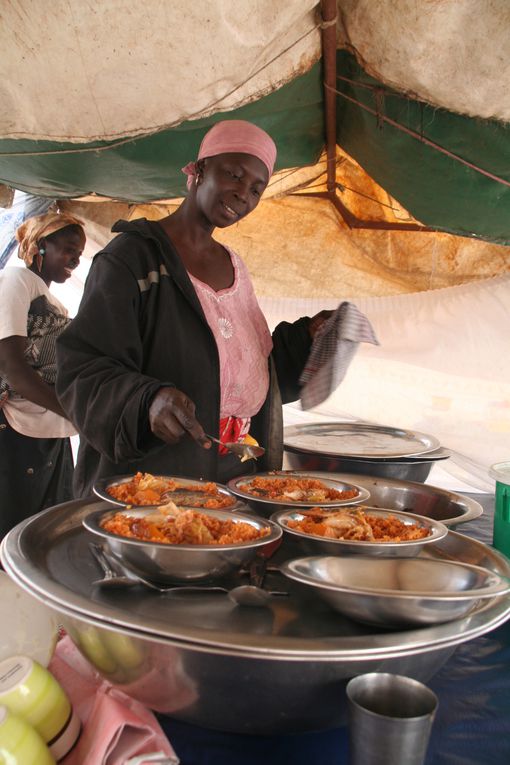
(319, 545)
(397, 592)
(167, 563)
(240, 486)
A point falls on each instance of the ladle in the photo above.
(243, 451)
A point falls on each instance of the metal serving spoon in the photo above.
(243, 451)
(243, 595)
(112, 576)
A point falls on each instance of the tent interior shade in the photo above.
(421, 127)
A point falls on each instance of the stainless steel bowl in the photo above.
(411, 469)
(357, 448)
(265, 506)
(393, 592)
(412, 497)
(185, 495)
(168, 563)
(316, 544)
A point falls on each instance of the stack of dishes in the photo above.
(362, 448)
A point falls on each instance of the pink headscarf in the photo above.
(234, 137)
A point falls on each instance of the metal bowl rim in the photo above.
(418, 459)
(91, 523)
(438, 530)
(100, 486)
(363, 493)
(493, 590)
(434, 443)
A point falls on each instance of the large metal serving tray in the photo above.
(240, 666)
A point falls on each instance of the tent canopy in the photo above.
(115, 97)
(103, 108)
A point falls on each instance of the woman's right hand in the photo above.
(172, 416)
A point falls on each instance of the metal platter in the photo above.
(182, 496)
(359, 440)
(238, 486)
(193, 657)
(58, 565)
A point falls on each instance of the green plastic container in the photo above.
(501, 537)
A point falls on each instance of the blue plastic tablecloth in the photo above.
(472, 724)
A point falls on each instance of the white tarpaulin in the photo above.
(96, 71)
(132, 67)
(440, 368)
(451, 53)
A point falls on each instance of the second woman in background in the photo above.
(36, 465)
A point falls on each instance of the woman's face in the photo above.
(230, 187)
(62, 253)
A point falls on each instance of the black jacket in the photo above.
(140, 326)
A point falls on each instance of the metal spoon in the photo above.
(243, 595)
(112, 577)
(243, 451)
(250, 595)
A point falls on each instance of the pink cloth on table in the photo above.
(115, 727)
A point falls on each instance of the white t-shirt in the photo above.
(28, 309)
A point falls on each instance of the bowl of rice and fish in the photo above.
(359, 530)
(147, 490)
(266, 492)
(171, 544)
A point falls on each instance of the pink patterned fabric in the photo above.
(243, 339)
(235, 137)
(115, 726)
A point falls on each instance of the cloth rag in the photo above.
(116, 729)
(333, 348)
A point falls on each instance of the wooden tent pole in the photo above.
(328, 27)
(328, 39)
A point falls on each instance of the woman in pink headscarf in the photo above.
(170, 343)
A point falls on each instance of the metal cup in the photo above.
(390, 719)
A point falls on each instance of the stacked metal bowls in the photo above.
(361, 448)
